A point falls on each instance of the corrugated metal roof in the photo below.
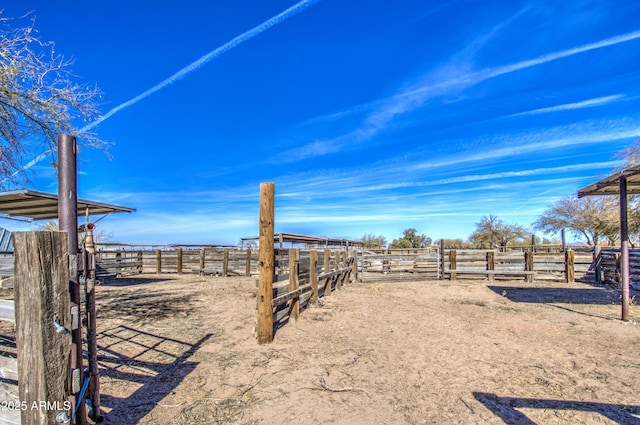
(611, 185)
(319, 240)
(37, 205)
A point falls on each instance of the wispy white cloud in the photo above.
(590, 103)
(413, 98)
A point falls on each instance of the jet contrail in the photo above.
(281, 17)
(297, 8)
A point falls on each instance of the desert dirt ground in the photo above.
(182, 350)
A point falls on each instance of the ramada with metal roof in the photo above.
(35, 205)
(622, 183)
(317, 241)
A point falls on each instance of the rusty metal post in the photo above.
(92, 333)
(68, 222)
(624, 249)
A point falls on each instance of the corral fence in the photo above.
(302, 277)
(215, 261)
(601, 265)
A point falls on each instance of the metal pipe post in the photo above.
(68, 222)
(624, 249)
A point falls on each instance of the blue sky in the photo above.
(370, 117)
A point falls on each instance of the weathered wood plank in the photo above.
(42, 300)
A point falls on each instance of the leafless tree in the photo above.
(38, 98)
(491, 232)
(594, 218)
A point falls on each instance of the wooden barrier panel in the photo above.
(43, 323)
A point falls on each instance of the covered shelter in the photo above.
(623, 183)
(307, 241)
(29, 205)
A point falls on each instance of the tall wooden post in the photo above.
(569, 265)
(68, 222)
(44, 325)
(313, 275)
(294, 283)
(202, 256)
(624, 249)
(158, 261)
(265, 263)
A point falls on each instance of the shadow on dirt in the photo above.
(595, 295)
(131, 281)
(506, 408)
(142, 305)
(154, 380)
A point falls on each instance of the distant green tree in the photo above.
(372, 241)
(457, 244)
(491, 232)
(411, 239)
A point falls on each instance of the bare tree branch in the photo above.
(38, 99)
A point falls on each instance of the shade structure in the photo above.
(623, 183)
(36, 205)
(611, 185)
(293, 238)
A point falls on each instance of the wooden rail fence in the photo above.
(438, 263)
(301, 278)
(220, 262)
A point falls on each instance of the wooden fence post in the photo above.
(327, 269)
(158, 261)
(313, 276)
(452, 264)
(491, 265)
(327, 260)
(248, 268)
(338, 267)
(354, 254)
(140, 266)
(294, 283)
(529, 265)
(569, 266)
(202, 256)
(441, 260)
(119, 262)
(266, 263)
(179, 266)
(42, 306)
(225, 263)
